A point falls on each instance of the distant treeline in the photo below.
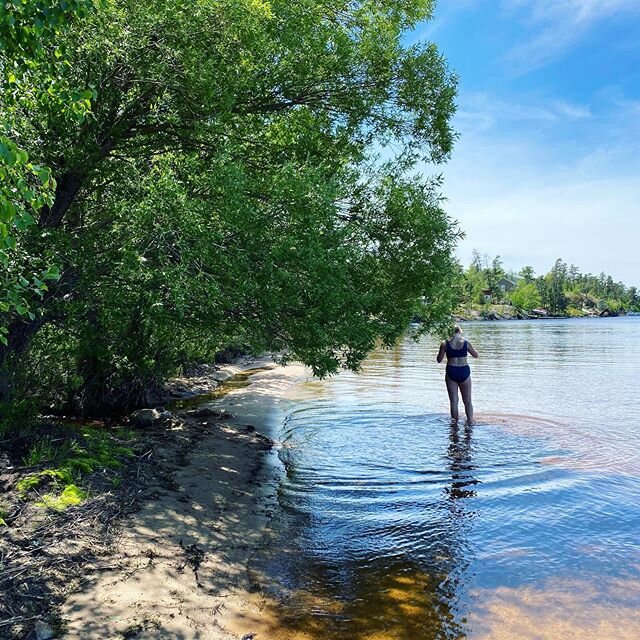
(564, 290)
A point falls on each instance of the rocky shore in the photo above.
(494, 312)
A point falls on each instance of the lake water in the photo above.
(395, 525)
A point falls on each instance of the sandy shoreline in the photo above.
(180, 567)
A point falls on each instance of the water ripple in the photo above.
(380, 487)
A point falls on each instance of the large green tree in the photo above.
(227, 187)
(32, 71)
(553, 294)
(525, 296)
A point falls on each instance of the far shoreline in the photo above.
(500, 313)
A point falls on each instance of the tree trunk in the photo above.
(67, 187)
(19, 338)
(21, 330)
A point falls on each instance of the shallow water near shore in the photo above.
(392, 524)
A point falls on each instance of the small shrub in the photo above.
(82, 465)
(16, 416)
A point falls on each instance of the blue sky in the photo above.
(548, 160)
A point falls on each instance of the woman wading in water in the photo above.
(458, 373)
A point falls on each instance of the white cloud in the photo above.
(532, 200)
(557, 25)
(481, 112)
(572, 111)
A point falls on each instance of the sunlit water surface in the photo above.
(395, 525)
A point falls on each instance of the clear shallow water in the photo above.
(393, 524)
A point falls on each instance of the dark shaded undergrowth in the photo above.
(65, 490)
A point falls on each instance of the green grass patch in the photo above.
(54, 476)
(28, 483)
(69, 460)
(70, 496)
(43, 451)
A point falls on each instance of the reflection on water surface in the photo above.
(395, 525)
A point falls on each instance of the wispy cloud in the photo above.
(445, 14)
(557, 25)
(481, 111)
(571, 111)
(532, 198)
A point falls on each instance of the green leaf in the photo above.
(7, 154)
(44, 173)
(52, 273)
(7, 211)
(22, 156)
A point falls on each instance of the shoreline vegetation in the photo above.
(178, 180)
(181, 180)
(185, 494)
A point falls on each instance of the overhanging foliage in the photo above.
(242, 173)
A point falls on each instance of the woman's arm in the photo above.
(443, 347)
(472, 351)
